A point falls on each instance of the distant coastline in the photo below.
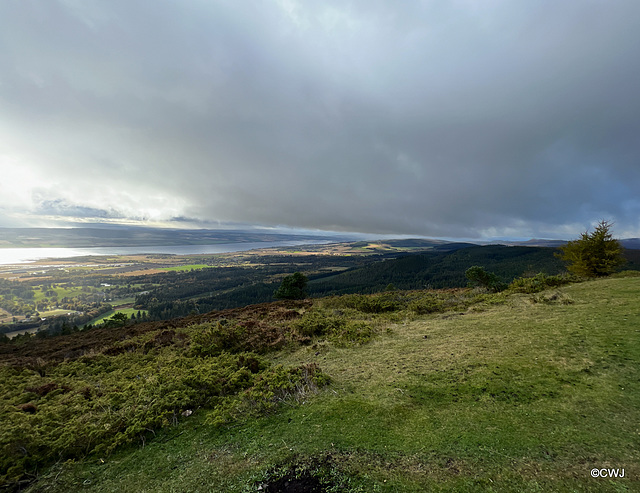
(14, 256)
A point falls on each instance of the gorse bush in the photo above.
(551, 298)
(353, 332)
(421, 302)
(339, 330)
(214, 337)
(538, 283)
(102, 402)
(314, 323)
(430, 303)
(98, 402)
(479, 277)
(269, 389)
(626, 273)
(389, 301)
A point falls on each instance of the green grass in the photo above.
(60, 292)
(127, 311)
(53, 313)
(123, 301)
(528, 394)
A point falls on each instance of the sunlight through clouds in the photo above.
(456, 119)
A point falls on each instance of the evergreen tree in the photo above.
(595, 254)
(293, 287)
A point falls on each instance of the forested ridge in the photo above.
(181, 294)
(69, 299)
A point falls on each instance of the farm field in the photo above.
(74, 293)
(93, 288)
(126, 311)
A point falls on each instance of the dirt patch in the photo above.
(29, 408)
(291, 484)
(305, 475)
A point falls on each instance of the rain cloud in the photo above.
(452, 119)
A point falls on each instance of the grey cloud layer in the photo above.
(456, 119)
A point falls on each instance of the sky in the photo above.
(460, 119)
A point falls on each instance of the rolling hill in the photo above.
(450, 390)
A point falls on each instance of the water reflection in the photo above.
(10, 256)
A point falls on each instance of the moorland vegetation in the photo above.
(516, 385)
(496, 386)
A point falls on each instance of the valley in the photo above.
(60, 294)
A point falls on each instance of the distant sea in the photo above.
(10, 256)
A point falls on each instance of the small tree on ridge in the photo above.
(595, 254)
(293, 287)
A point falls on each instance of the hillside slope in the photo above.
(525, 392)
(440, 269)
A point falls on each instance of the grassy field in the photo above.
(53, 313)
(186, 267)
(521, 393)
(5, 316)
(127, 311)
(60, 292)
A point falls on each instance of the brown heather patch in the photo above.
(265, 324)
(43, 390)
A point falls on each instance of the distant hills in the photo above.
(628, 243)
(536, 243)
(440, 268)
(631, 243)
(126, 236)
(139, 237)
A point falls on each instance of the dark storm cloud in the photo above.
(446, 119)
(62, 208)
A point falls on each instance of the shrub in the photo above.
(339, 330)
(537, 283)
(270, 388)
(101, 402)
(211, 339)
(626, 273)
(353, 332)
(427, 304)
(314, 323)
(479, 277)
(378, 303)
